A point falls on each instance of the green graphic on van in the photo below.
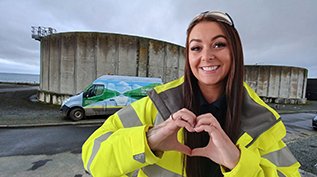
(108, 94)
(116, 93)
(140, 92)
(96, 93)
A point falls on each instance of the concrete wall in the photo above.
(72, 61)
(279, 84)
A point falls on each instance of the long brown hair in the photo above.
(196, 166)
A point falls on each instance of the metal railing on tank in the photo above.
(38, 32)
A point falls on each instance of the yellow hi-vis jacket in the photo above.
(119, 147)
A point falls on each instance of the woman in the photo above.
(207, 123)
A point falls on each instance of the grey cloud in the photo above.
(273, 32)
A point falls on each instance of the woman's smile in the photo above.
(210, 69)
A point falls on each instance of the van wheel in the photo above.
(77, 114)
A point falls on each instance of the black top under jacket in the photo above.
(218, 109)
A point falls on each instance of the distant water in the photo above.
(19, 78)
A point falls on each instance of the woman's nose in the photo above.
(208, 55)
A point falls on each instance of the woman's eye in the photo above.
(195, 48)
(220, 45)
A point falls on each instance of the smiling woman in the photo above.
(207, 123)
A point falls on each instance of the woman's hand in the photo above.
(164, 136)
(220, 148)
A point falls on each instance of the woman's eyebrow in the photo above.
(197, 40)
(218, 36)
(214, 38)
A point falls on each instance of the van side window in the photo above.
(91, 91)
(95, 90)
(99, 89)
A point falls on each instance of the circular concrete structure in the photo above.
(72, 61)
(277, 84)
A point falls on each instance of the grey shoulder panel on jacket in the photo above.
(168, 101)
(255, 118)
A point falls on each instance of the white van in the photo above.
(106, 95)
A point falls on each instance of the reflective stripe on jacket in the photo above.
(119, 147)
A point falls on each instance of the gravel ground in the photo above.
(17, 108)
(311, 106)
(305, 151)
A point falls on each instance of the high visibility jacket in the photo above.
(119, 147)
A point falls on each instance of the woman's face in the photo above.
(209, 54)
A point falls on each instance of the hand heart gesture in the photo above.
(220, 148)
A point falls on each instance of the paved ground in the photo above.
(17, 110)
(64, 164)
(43, 151)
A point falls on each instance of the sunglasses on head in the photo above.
(218, 15)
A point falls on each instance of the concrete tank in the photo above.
(277, 84)
(72, 61)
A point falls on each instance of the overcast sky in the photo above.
(273, 32)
